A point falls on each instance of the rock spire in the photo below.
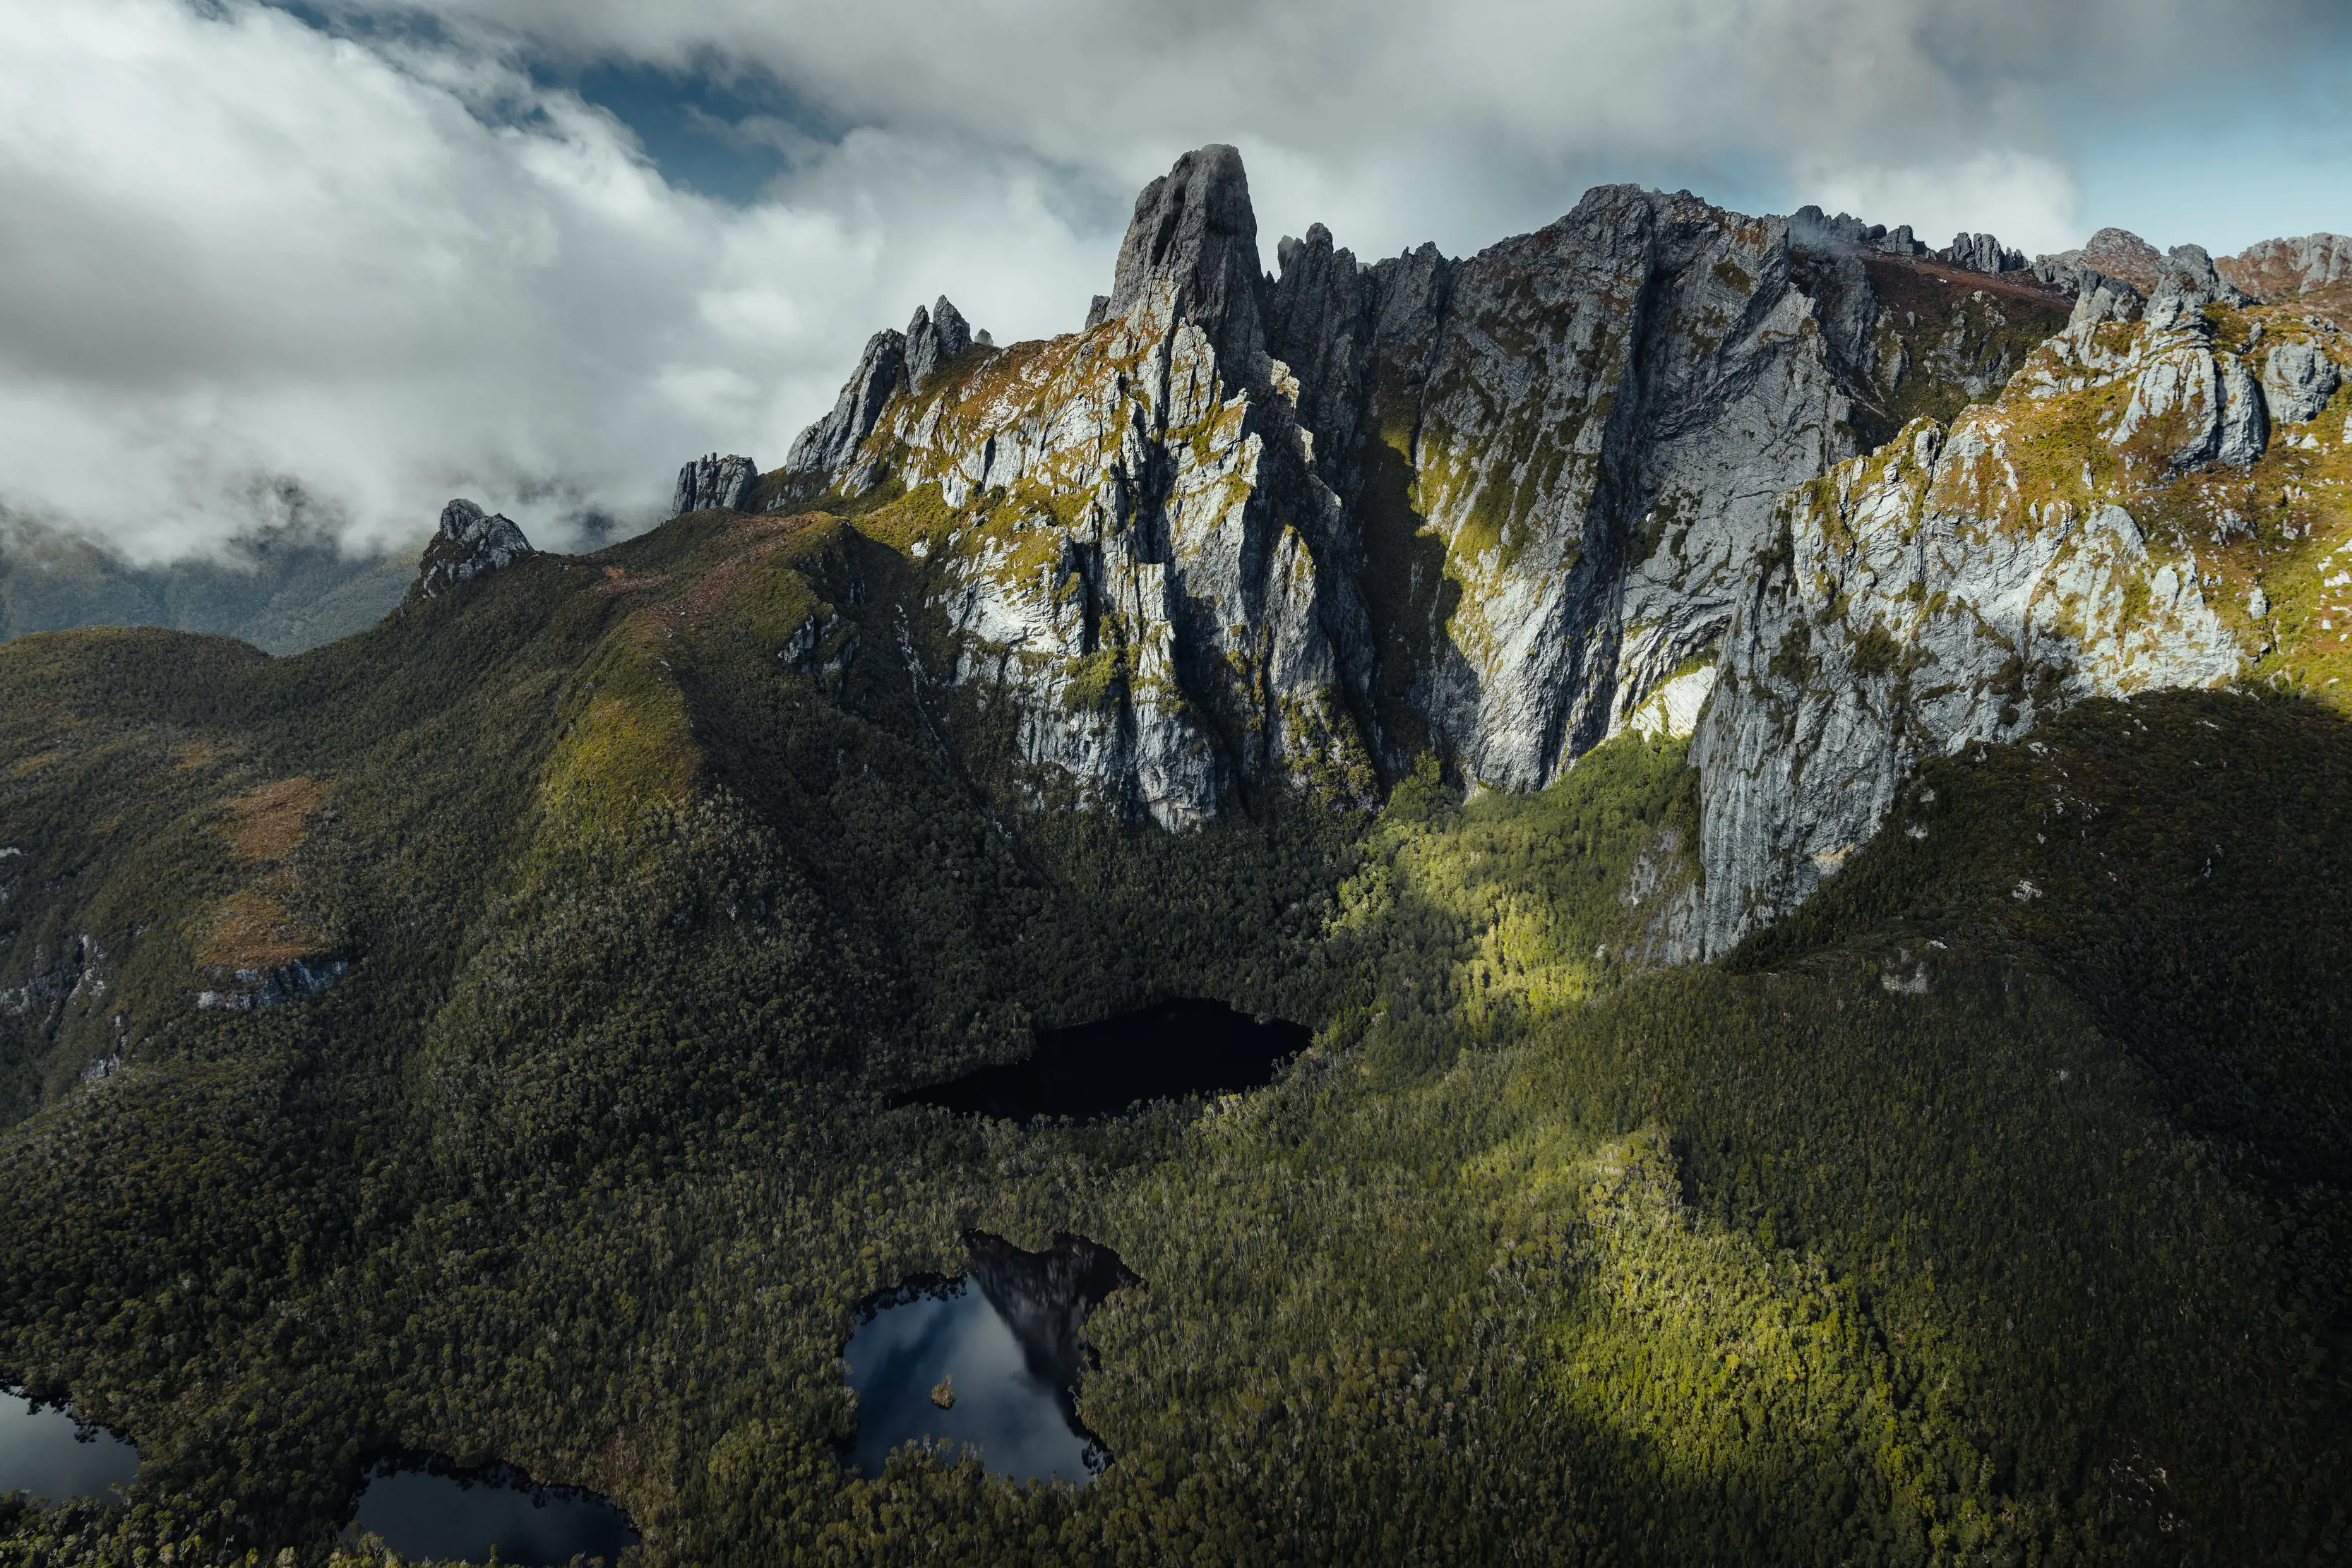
(1195, 232)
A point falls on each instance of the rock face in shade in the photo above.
(825, 448)
(1302, 529)
(714, 481)
(1921, 600)
(468, 541)
(1951, 589)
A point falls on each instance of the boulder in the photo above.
(2299, 378)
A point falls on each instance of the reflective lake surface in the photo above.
(987, 1360)
(1101, 1068)
(43, 1452)
(432, 1509)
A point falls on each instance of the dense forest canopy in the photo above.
(1991, 1209)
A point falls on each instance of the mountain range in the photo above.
(1797, 781)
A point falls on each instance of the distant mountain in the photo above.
(282, 592)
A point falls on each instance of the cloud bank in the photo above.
(338, 266)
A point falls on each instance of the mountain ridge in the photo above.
(1504, 500)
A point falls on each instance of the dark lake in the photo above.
(431, 1508)
(45, 1453)
(1001, 1339)
(1164, 1053)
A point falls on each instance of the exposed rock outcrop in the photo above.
(2112, 253)
(1194, 234)
(1915, 601)
(824, 451)
(259, 989)
(1983, 253)
(1811, 229)
(1245, 533)
(714, 481)
(933, 337)
(468, 541)
(1240, 534)
(2313, 270)
(2080, 536)
(2299, 378)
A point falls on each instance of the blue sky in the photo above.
(351, 257)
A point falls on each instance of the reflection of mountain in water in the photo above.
(1012, 1346)
(1044, 1297)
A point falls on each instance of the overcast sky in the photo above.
(337, 262)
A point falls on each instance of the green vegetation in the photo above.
(1949, 1222)
(1945, 339)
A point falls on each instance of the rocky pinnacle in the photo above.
(1195, 230)
(468, 541)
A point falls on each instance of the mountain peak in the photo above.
(1196, 231)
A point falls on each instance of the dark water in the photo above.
(44, 1453)
(434, 1509)
(1006, 1332)
(1100, 1068)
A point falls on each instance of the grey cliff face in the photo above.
(1489, 507)
(824, 448)
(1242, 535)
(468, 542)
(1916, 602)
(714, 481)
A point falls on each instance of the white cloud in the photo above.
(245, 258)
(2031, 203)
(241, 251)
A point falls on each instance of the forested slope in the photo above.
(1988, 1209)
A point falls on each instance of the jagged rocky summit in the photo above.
(468, 541)
(1246, 533)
